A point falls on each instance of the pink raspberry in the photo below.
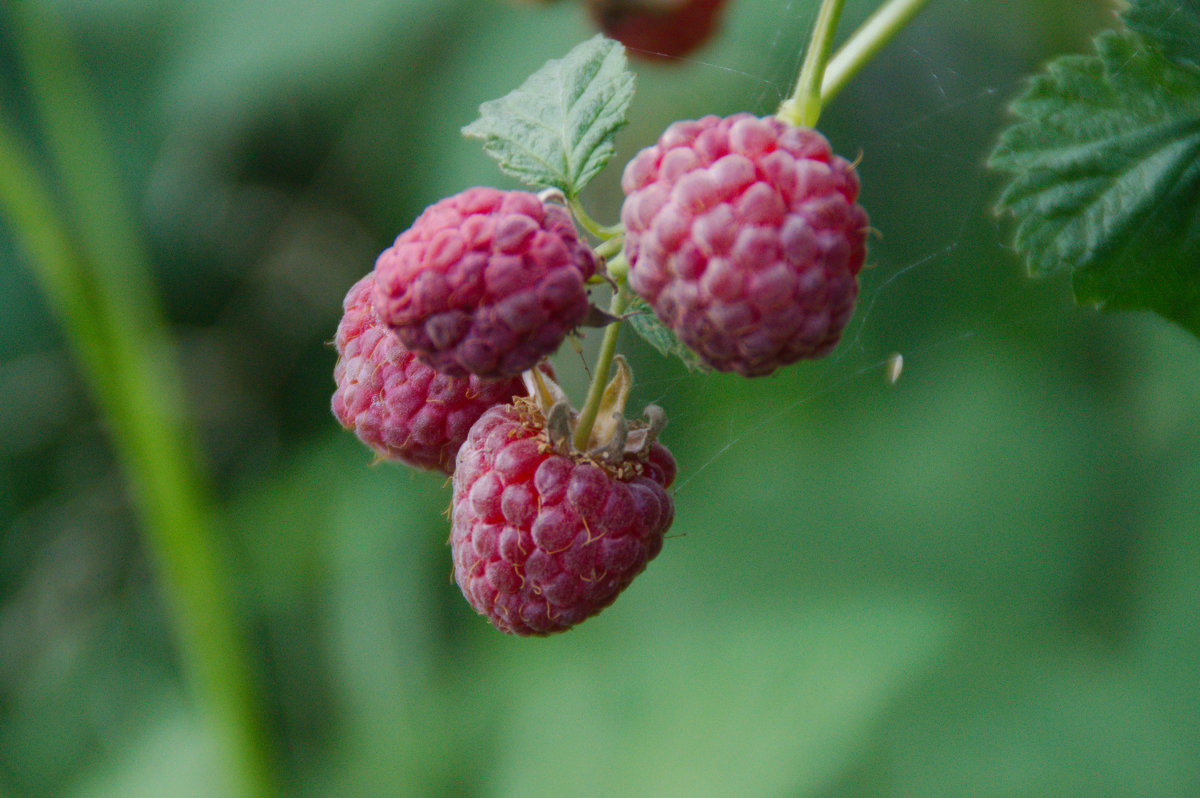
(745, 237)
(543, 540)
(395, 404)
(486, 282)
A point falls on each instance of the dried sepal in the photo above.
(559, 424)
(542, 388)
(611, 413)
(614, 441)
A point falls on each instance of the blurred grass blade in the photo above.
(95, 273)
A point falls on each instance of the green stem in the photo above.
(610, 248)
(804, 106)
(26, 205)
(585, 219)
(608, 349)
(865, 43)
(96, 276)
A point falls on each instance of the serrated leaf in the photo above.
(1105, 166)
(1171, 26)
(557, 129)
(643, 321)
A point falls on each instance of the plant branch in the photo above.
(608, 349)
(804, 106)
(603, 232)
(865, 43)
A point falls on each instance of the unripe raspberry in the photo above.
(398, 406)
(485, 282)
(542, 540)
(745, 237)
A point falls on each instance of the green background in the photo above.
(982, 580)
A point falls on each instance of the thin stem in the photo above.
(608, 349)
(865, 43)
(585, 219)
(804, 106)
(611, 247)
(96, 276)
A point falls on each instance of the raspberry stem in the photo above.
(803, 108)
(865, 43)
(608, 349)
(603, 232)
(815, 90)
(611, 247)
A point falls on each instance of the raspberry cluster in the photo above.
(483, 286)
(745, 237)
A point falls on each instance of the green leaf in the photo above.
(1171, 26)
(557, 129)
(1105, 165)
(643, 321)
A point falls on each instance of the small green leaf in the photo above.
(1105, 165)
(643, 321)
(556, 130)
(1171, 26)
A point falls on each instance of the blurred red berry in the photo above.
(657, 29)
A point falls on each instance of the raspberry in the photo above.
(744, 236)
(485, 282)
(542, 540)
(657, 29)
(398, 406)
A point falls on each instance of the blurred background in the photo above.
(982, 580)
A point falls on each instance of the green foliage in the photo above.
(557, 129)
(643, 321)
(241, 52)
(721, 711)
(1105, 165)
(169, 752)
(972, 582)
(1172, 26)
